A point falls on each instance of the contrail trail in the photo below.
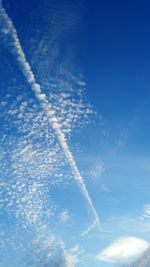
(9, 32)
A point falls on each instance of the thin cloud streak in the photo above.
(8, 30)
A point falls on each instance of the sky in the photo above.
(74, 135)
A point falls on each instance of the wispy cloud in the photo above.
(96, 172)
(59, 258)
(146, 213)
(64, 216)
(49, 251)
(9, 32)
(124, 250)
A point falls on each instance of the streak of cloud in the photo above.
(9, 32)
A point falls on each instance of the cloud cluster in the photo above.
(49, 251)
(32, 159)
(10, 34)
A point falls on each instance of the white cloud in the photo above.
(55, 252)
(96, 172)
(67, 259)
(64, 216)
(146, 211)
(12, 36)
(124, 250)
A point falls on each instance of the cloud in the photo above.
(144, 260)
(10, 34)
(92, 226)
(146, 214)
(67, 260)
(124, 250)
(66, 257)
(64, 216)
(48, 251)
(97, 171)
(61, 258)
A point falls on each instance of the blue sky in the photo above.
(74, 116)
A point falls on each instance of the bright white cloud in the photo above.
(124, 250)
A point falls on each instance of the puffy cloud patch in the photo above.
(64, 216)
(124, 250)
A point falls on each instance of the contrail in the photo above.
(8, 30)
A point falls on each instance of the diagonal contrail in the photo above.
(9, 31)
